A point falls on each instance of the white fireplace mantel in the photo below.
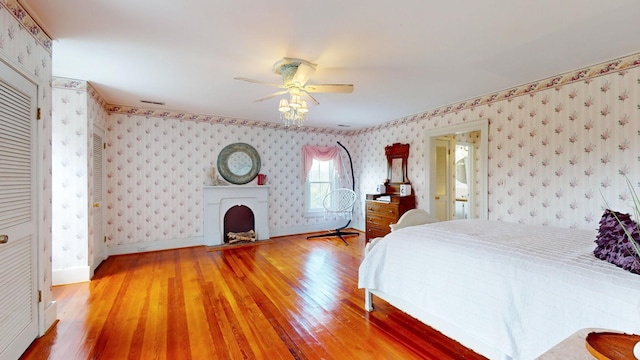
(219, 199)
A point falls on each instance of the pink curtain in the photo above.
(322, 153)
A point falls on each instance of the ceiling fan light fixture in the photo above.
(295, 73)
(303, 107)
(293, 112)
(284, 107)
(294, 102)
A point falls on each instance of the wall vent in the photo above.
(152, 102)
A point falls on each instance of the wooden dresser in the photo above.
(381, 214)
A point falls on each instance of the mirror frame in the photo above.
(223, 163)
(397, 151)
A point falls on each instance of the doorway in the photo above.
(463, 190)
(475, 170)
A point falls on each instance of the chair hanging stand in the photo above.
(341, 200)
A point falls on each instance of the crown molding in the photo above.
(28, 22)
(180, 115)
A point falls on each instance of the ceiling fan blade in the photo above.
(303, 74)
(311, 97)
(257, 81)
(329, 88)
(272, 95)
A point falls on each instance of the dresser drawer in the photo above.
(377, 226)
(379, 215)
(374, 233)
(379, 222)
(380, 209)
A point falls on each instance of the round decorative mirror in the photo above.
(238, 163)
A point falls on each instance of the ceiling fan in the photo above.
(295, 73)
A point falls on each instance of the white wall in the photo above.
(70, 156)
(77, 107)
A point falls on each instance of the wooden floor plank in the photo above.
(290, 299)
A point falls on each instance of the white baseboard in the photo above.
(70, 275)
(359, 226)
(328, 226)
(50, 315)
(199, 240)
(154, 245)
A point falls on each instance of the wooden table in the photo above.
(573, 347)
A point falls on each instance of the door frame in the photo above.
(483, 159)
(95, 261)
(39, 266)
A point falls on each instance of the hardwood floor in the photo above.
(291, 299)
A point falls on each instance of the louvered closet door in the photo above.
(18, 219)
(99, 248)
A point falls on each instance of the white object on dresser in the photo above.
(405, 190)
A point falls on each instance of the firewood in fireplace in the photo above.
(234, 237)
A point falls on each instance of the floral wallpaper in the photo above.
(77, 107)
(28, 49)
(558, 148)
(557, 155)
(550, 145)
(156, 168)
(70, 175)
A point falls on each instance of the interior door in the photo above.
(99, 248)
(18, 215)
(442, 189)
(463, 180)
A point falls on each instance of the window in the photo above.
(322, 167)
(320, 181)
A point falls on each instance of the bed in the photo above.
(505, 290)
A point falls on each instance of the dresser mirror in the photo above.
(239, 163)
(397, 159)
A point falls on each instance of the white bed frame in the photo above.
(419, 217)
(410, 218)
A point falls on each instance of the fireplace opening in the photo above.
(239, 225)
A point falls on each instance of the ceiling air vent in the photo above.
(152, 102)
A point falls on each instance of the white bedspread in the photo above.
(521, 289)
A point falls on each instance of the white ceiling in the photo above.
(404, 57)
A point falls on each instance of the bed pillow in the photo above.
(612, 242)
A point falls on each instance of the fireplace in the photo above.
(238, 225)
(218, 200)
